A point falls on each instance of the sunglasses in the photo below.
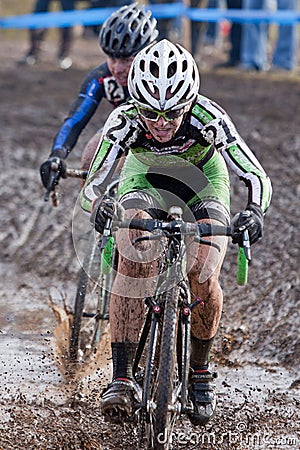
(153, 115)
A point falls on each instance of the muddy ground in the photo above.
(257, 353)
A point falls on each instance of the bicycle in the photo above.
(89, 319)
(90, 325)
(162, 372)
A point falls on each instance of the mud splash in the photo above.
(99, 362)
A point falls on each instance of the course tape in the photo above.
(162, 11)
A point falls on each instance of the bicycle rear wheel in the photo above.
(165, 413)
(90, 319)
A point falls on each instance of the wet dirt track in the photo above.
(257, 353)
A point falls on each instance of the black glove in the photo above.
(54, 164)
(103, 209)
(252, 219)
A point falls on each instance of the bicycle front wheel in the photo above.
(167, 379)
(90, 318)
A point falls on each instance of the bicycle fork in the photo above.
(150, 332)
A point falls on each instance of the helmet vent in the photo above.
(142, 66)
(120, 28)
(114, 20)
(145, 28)
(126, 41)
(137, 42)
(154, 69)
(154, 92)
(172, 69)
(178, 87)
(134, 25)
(186, 95)
(115, 44)
(108, 36)
(140, 96)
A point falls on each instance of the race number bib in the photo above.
(114, 92)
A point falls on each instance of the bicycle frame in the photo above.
(175, 255)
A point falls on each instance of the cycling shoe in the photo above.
(203, 396)
(120, 399)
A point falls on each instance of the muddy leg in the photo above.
(204, 283)
(135, 280)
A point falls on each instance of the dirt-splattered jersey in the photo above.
(206, 131)
(98, 84)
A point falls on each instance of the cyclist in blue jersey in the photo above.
(122, 36)
(178, 146)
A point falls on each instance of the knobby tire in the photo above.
(90, 301)
(164, 418)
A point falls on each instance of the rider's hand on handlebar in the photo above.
(52, 164)
(251, 219)
(103, 209)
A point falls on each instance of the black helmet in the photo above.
(127, 31)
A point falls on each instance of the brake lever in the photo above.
(51, 185)
(106, 233)
(152, 237)
(246, 245)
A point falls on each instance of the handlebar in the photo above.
(198, 230)
(175, 227)
(77, 173)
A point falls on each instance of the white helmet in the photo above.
(163, 76)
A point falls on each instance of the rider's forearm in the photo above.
(68, 135)
(100, 173)
(243, 162)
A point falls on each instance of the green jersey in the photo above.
(207, 139)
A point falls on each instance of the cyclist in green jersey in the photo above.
(178, 146)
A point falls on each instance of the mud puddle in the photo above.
(35, 367)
